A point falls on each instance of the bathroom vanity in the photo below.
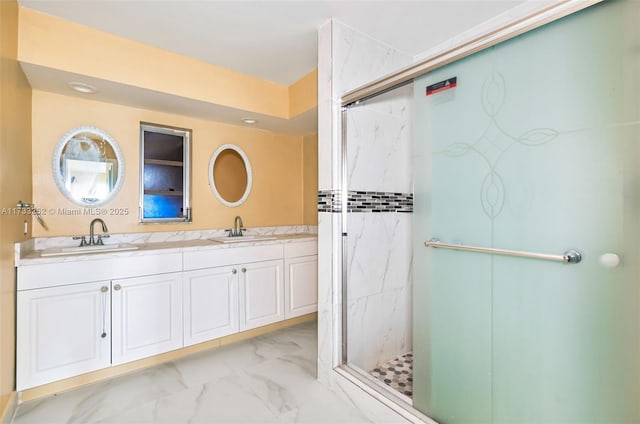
(78, 313)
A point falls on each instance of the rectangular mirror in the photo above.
(164, 174)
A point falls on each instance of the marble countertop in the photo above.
(26, 254)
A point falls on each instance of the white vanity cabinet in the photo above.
(301, 279)
(210, 304)
(79, 315)
(62, 332)
(64, 308)
(254, 295)
(224, 300)
(146, 316)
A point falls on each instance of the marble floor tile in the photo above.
(267, 379)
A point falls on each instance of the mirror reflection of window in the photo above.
(84, 148)
(230, 175)
(88, 181)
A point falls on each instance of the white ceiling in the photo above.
(272, 40)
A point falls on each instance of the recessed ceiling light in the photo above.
(82, 87)
(249, 121)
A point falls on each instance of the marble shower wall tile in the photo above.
(326, 336)
(325, 146)
(379, 287)
(348, 59)
(379, 253)
(326, 244)
(380, 327)
(379, 144)
(325, 108)
(359, 59)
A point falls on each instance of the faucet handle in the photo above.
(83, 240)
(230, 231)
(100, 237)
(240, 230)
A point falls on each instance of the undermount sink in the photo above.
(58, 251)
(240, 239)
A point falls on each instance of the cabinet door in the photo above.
(210, 301)
(261, 294)
(301, 286)
(147, 316)
(62, 332)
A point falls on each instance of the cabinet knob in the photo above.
(104, 289)
(117, 287)
(234, 271)
(244, 269)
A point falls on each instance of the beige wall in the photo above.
(303, 94)
(15, 182)
(276, 197)
(310, 179)
(67, 46)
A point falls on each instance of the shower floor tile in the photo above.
(397, 373)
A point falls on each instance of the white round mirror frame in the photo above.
(247, 166)
(57, 172)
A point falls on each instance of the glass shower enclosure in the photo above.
(524, 184)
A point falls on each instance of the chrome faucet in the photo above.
(238, 227)
(92, 241)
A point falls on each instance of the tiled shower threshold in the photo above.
(399, 402)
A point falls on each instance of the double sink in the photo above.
(235, 236)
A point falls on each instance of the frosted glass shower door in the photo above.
(534, 148)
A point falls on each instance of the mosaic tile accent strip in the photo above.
(379, 201)
(365, 201)
(329, 201)
(397, 374)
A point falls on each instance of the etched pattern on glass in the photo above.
(494, 142)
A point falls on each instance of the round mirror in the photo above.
(88, 166)
(230, 175)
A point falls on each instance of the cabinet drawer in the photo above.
(48, 275)
(229, 256)
(305, 248)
